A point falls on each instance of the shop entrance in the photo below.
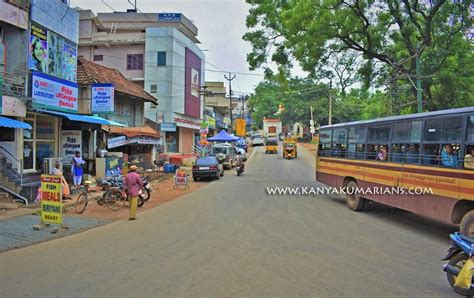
(40, 142)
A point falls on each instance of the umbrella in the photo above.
(222, 136)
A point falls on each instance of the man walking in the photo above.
(133, 183)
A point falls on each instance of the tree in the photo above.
(386, 35)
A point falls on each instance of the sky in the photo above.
(220, 23)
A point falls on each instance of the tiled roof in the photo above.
(89, 72)
(132, 131)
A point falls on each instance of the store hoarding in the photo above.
(53, 93)
(240, 125)
(192, 106)
(169, 17)
(71, 142)
(102, 98)
(123, 140)
(168, 127)
(116, 142)
(51, 199)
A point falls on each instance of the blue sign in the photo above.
(171, 127)
(53, 93)
(169, 17)
(102, 98)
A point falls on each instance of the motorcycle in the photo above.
(146, 189)
(460, 259)
(240, 168)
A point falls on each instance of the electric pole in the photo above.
(330, 108)
(419, 90)
(230, 78)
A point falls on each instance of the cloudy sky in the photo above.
(221, 24)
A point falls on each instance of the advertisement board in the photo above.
(166, 126)
(52, 93)
(51, 199)
(204, 128)
(192, 101)
(116, 142)
(71, 141)
(102, 98)
(52, 54)
(169, 17)
(240, 126)
(113, 166)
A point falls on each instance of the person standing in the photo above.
(77, 172)
(57, 172)
(133, 184)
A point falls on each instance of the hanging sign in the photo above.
(71, 142)
(102, 98)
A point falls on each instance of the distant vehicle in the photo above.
(241, 143)
(257, 140)
(228, 150)
(207, 167)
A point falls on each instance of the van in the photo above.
(230, 154)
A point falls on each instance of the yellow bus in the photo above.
(432, 150)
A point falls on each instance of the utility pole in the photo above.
(330, 108)
(419, 90)
(230, 78)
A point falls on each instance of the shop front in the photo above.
(188, 130)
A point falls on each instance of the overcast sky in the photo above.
(220, 23)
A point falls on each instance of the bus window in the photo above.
(397, 152)
(470, 129)
(452, 129)
(469, 157)
(325, 136)
(339, 136)
(379, 134)
(324, 149)
(401, 132)
(360, 151)
(449, 156)
(412, 153)
(415, 133)
(433, 130)
(431, 154)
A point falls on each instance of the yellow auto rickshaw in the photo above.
(290, 148)
(271, 145)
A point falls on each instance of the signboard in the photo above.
(51, 199)
(188, 123)
(145, 140)
(102, 98)
(113, 166)
(166, 126)
(169, 17)
(52, 54)
(116, 142)
(192, 80)
(240, 126)
(71, 142)
(212, 122)
(54, 94)
(226, 120)
(204, 128)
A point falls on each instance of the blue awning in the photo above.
(79, 118)
(7, 122)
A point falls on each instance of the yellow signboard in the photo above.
(51, 199)
(240, 125)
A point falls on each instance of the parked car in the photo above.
(257, 140)
(207, 167)
(228, 150)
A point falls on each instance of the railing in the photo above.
(18, 170)
(196, 150)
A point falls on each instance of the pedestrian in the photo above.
(77, 163)
(133, 184)
(57, 172)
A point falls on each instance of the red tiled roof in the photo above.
(89, 72)
(132, 131)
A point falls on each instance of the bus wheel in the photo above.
(467, 224)
(353, 200)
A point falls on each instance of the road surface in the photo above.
(230, 238)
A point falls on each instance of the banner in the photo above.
(51, 199)
(204, 128)
(71, 141)
(168, 126)
(240, 127)
(52, 93)
(102, 98)
(52, 54)
(113, 166)
(116, 142)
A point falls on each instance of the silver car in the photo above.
(257, 140)
(229, 151)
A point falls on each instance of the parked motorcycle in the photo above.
(460, 259)
(146, 189)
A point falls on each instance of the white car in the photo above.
(257, 140)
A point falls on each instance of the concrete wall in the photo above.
(15, 41)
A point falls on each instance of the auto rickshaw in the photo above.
(271, 145)
(290, 148)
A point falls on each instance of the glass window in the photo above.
(357, 134)
(98, 58)
(397, 152)
(28, 133)
(415, 134)
(431, 154)
(470, 129)
(135, 62)
(44, 128)
(469, 157)
(43, 150)
(340, 136)
(325, 136)
(161, 59)
(7, 134)
(324, 149)
(452, 129)
(401, 132)
(433, 130)
(379, 134)
(412, 153)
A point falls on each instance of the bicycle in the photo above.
(109, 199)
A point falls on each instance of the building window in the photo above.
(135, 62)
(153, 88)
(7, 134)
(161, 58)
(98, 57)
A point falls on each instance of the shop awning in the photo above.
(7, 122)
(79, 118)
(111, 123)
(132, 131)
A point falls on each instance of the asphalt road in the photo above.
(230, 238)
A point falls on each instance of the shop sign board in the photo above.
(116, 142)
(240, 125)
(71, 142)
(102, 98)
(169, 17)
(212, 122)
(204, 128)
(188, 123)
(51, 199)
(169, 127)
(113, 166)
(53, 93)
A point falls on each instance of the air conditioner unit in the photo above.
(49, 164)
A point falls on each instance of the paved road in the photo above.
(232, 239)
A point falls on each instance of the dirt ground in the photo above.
(162, 192)
(310, 147)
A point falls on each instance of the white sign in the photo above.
(102, 98)
(117, 142)
(71, 142)
(194, 82)
(53, 93)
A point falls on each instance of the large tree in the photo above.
(386, 36)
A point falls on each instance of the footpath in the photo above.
(17, 224)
